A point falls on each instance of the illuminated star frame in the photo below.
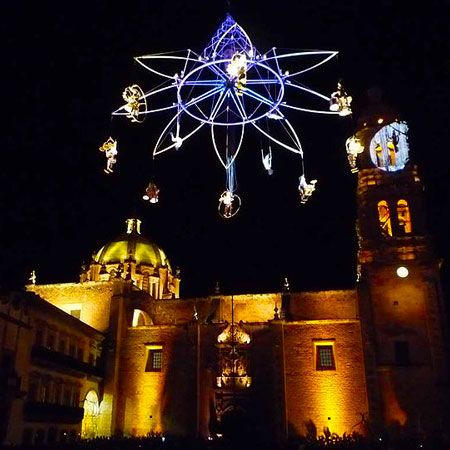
(204, 91)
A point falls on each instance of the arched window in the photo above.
(384, 218)
(404, 217)
(141, 319)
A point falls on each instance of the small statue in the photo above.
(32, 277)
(110, 149)
(306, 189)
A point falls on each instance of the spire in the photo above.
(133, 226)
(229, 18)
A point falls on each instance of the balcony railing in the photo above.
(63, 363)
(47, 412)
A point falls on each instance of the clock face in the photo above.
(389, 148)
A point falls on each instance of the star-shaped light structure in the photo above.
(227, 87)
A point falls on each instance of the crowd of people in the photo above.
(331, 441)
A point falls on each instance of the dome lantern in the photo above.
(133, 226)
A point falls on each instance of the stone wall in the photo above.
(94, 298)
(325, 398)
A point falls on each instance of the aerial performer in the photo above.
(267, 160)
(151, 193)
(306, 189)
(228, 87)
(110, 149)
(340, 101)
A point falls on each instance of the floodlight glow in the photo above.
(402, 272)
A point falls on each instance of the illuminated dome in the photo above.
(132, 244)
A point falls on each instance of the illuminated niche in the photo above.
(384, 218)
(404, 216)
(389, 148)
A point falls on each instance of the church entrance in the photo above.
(236, 424)
(89, 426)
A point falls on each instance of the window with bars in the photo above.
(325, 357)
(154, 358)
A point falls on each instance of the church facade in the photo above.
(120, 353)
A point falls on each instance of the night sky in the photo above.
(66, 67)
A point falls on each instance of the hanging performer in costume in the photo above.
(354, 148)
(177, 139)
(306, 189)
(151, 193)
(340, 101)
(132, 95)
(267, 160)
(110, 149)
(237, 69)
(229, 202)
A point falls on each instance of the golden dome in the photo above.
(132, 244)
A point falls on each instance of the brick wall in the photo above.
(157, 401)
(328, 398)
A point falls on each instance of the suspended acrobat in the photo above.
(340, 101)
(136, 103)
(306, 189)
(110, 149)
(151, 193)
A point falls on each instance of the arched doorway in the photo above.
(236, 424)
(89, 428)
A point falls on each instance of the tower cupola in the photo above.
(391, 226)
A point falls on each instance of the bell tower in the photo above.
(400, 297)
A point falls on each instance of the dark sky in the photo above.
(66, 67)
